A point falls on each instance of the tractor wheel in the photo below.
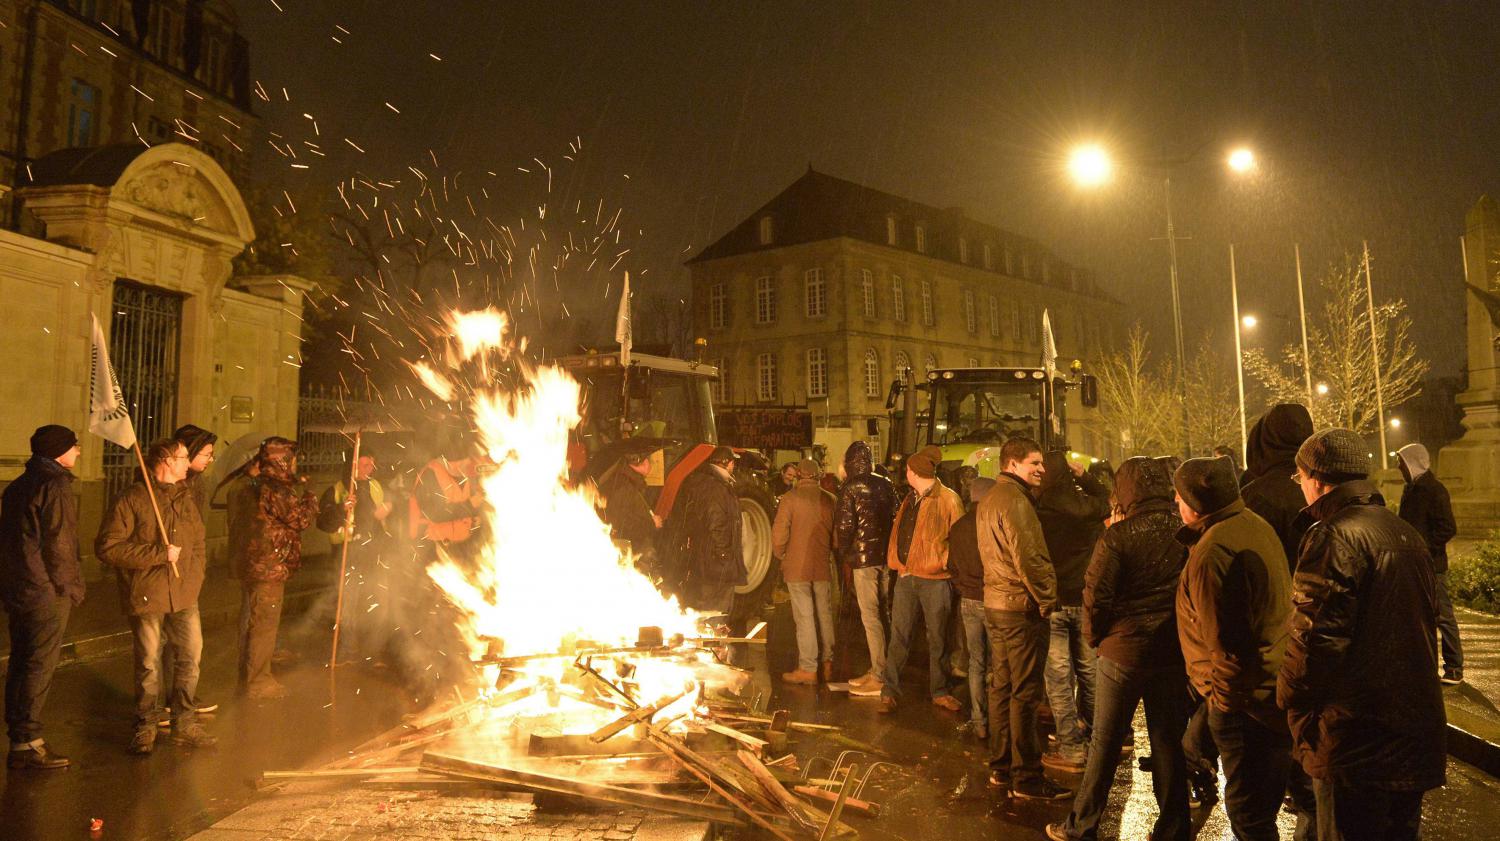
(756, 512)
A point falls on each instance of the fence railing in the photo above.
(325, 452)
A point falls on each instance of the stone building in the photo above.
(122, 132)
(822, 295)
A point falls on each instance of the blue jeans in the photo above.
(150, 631)
(934, 598)
(1120, 690)
(1256, 760)
(1070, 678)
(812, 611)
(977, 639)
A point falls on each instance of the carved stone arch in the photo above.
(186, 185)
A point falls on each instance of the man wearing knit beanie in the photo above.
(1233, 605)
(1365, 623)
(40, 583)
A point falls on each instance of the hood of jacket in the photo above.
(1141, 480)
(1058, 472)
(1274, 439)
(1416, 459)
(858, 460)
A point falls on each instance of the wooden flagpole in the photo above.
(338, 604)
(155, 508)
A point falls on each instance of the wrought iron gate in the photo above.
(145, 338)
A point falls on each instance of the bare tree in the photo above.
(1132, 397)
(1213, 411)
(1341, 357)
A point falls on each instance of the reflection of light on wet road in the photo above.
(1138, 809)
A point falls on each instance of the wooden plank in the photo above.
(683, 756)
(334, 773)
(617, 795)
(756, 745)
(634, 717)
(864, 807)
(794, 807)
(838, 806)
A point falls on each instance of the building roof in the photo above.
(818, 206)
(100, 166)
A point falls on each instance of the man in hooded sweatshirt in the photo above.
(1234, 602)
(1072, 506)
(1425, 504)
(1266, 488)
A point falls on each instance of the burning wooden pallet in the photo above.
(683, 753)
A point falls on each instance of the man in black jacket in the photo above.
(1425, 504)
(1273, 453)
(40, 582)
(1359, 681)
(1072, 506)
(861, 531)
(1129, 616)
(968, 580)
(706, 527)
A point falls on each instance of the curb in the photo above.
(1466, 743)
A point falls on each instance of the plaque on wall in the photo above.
(241, 409)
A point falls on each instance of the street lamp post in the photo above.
(1385, 462)
(1239, 358)
(1302, 310)
(1187, 435)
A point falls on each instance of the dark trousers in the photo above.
(1366, 814)
(1018, 660)
(150, 632)
(260, 616)
(1453, 650)
(1117, 692)
(36, 637)
(1197, 743)
(1256, 760)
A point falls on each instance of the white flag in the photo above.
(108, 416)
(622, 324)
(1049, 347)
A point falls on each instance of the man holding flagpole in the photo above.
(40, 583)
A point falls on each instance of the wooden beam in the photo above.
(864, 807)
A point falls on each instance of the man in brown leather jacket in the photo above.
(1020, 592)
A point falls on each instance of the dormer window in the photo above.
(921, 239)
(963, 250)
(989, 256)
(890, 230)
(767, 231)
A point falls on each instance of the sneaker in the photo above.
(948, 702)
(998, 779)
(873, 689)
(1043, 789)
(1058, 832)
(1452, 678)
(1203, 790)
(800, 677)
(1071, 762)
(144, 740)
(974, 729)
(864, 679)
(195, 736)
(887, 704)
(37, 758)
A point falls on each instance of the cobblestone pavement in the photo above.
(340, 812)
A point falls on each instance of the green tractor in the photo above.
(970, 412)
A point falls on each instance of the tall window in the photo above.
(83, 108)
(971, 320)
(765, 300)
(1010, 261)
(872, 373)
(767, 231)
(973, 362)
(963, 250)
(922, 239)
(1026, 265)
(718, 304)
(903, 362)
(931, 364)
(989, 256)
(765, 377)
(890, 230)
(898, 298)
(1015, 321)
(814, 293)
(718, 388)
(1033, 327)
(927, 318)
(994, 317)
(867, 290)
(817, 372)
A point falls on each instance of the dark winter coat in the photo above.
(1129, 594)
(1425, 504)
(130, 541)
(39, 538)
(627, 511)
(964, 558)
(1072, 510)
(274, 548)
(1269, 490)
(1018, 574)
(865, 510)
(705, 529)
(1234, 601)
(1359, 683)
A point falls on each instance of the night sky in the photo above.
(1372, 121)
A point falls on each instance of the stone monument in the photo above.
(1470, 466)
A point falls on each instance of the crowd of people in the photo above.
(1260, 616)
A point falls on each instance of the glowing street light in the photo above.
(1249, 322)
(1395, 423)
(1090, 165)
(1322, 388)
(1242, 160)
